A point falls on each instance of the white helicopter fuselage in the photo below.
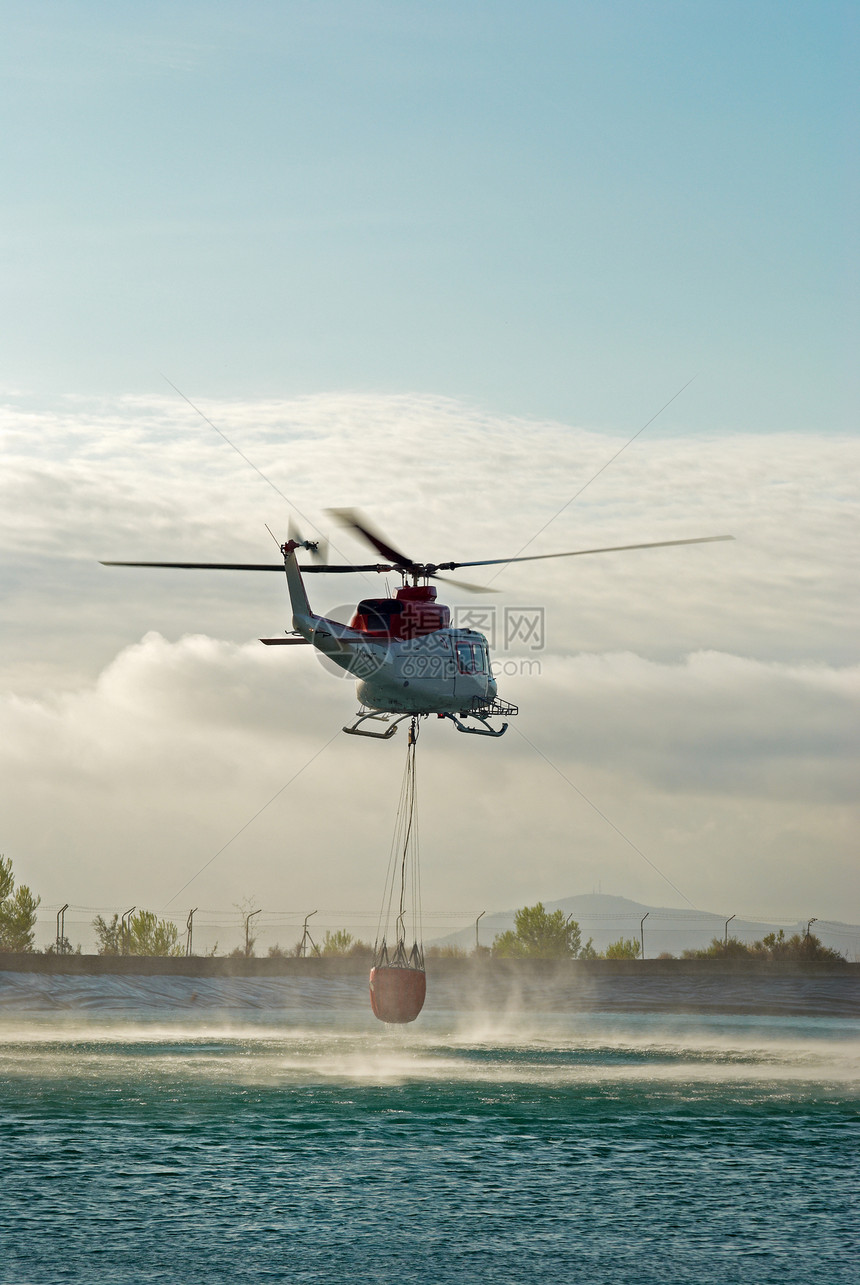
(442, 671)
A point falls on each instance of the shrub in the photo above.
(775, 945)
(624, 948)
(343, 943)
(144, 934)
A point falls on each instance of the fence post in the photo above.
(126, 930)
(61, 929)
(248, 919)
(189, 924)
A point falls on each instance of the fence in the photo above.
(222, 931)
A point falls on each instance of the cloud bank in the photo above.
(704, 699)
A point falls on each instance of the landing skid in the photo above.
(391, 721)
(375, 716)
(484, 730)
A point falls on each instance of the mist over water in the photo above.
(244, 1145)
(591, 1048)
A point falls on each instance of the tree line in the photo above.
(537, 934)
(540, 935)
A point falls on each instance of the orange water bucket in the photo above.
(397, 994)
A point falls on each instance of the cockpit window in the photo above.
(471, 658)
(465, 660)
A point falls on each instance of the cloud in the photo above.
(712, 722)
(148, 479)
(136, 781)
(704, 699)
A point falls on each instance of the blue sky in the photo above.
(558, 209)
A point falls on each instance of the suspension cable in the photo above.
(403, 872)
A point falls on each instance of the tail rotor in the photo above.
(317, 548)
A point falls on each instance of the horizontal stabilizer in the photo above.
(285, 642)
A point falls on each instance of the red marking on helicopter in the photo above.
(411, 613)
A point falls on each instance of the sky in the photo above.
(441, 262)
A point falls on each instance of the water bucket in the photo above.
(397, 994)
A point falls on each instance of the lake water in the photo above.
(240, 1146)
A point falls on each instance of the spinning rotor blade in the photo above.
(319, 548)
(464, 584)
(579, 553)
(355, 520)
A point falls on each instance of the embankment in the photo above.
(457, 985)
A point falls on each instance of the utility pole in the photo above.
(642, 931)
(477, 921)
(248, 918)
(126, 930)
(189, 924)
(61, 929)
(726, 931)
(812, 921)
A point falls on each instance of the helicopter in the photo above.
(404, 655)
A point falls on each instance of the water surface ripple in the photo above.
(583, 1148)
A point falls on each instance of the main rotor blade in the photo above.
(464, 584)
(203, 566)
(400, 563)
(254, 566)
(362, 526)
(345, 568)
(579, 553)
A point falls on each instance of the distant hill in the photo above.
(670, 929)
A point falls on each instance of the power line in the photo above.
(612, 824)
(602, 469)
(329, 543)
(239, 452)
(242, 829)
